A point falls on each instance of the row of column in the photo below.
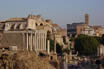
(36, 41)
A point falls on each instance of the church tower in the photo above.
(86, 19)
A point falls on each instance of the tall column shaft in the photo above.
(45, 42)
(31, 42)
(27, 41)
(48, 46)
(54, 43)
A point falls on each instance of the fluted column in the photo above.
(31, 42)
(42, 41)
(48, 46)
(27, 41)
(39, 40)
(45, 41)
(54, 43)
(35, 42)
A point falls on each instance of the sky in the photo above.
(61, 12)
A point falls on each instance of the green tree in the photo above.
(66, 50)
(51, 45)
(86, 45)
(103, 39)
(59, 49)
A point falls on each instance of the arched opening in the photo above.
(41, 24)
(36, 24)
(18, 27)
(12, 27)
(3, 27)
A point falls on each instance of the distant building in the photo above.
(86, 19)
(75, 29)
(99, 30)
(88, 30)
(72, 29)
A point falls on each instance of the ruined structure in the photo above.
(23, 33)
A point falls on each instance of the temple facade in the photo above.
(24, 40)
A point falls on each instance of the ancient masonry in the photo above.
(25, 40)
(22, 34)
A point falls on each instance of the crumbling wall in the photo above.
(12, 39)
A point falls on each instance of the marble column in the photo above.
(27, 41)
(31, 41)
(55, 43)
(45, 42)
(48, 46)
(39, 40)
(42, 41)
(35, 42)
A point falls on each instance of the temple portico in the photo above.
(32, 40)
(36, 41)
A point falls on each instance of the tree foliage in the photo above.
(51, 45)
(103, 39)
(66, 50)
(58, 47)
(86, 45)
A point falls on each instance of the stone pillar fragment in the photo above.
(27, 41)
(48, 46)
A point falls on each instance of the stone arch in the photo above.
(41, 24)
(3, 27)
(18, 27)
(12, 26)
(36, 24)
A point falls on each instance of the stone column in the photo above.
(48, 46)
(27, 41)
(45, 42)
(35, 42)
(39, 40)
(31, 41)
(54, 43)
(42, 41)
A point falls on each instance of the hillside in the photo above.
(24, 60)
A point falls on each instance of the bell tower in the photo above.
(86, 19)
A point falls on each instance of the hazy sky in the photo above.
(61, 12)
